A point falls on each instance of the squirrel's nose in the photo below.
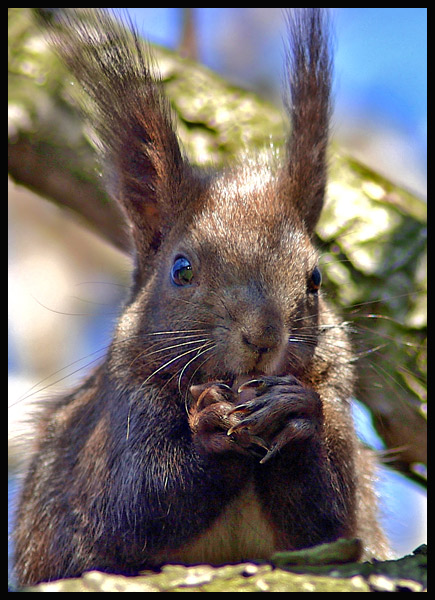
(261, 342)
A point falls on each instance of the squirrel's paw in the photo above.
(211, 419)
(280, 410)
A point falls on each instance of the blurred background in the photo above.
(66, 285)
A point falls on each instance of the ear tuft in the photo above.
(130, 114)
(309, 76)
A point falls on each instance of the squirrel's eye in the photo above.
(181, 272)
(315, 280)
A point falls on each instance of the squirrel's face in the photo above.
(236, 291)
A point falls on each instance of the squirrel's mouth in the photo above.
(234, 384)
(241, 379)
(236, 381)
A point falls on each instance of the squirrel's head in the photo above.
(226, 273)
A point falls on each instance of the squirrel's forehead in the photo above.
(249, 213)
(244, 217)
(236, 203)
(244, 236)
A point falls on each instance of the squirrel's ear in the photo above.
(309, 75)
(130, 115)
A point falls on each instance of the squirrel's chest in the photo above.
(241, 532)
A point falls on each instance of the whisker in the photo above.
(202, 350)
(388, 379)
(221, 300)
(367, 352)
(196, 305)
(177, 346)
(175, 331)
(169, 362)
(29, 393)
(165, 365)
(390, 338)
(60, 312)
(147, 353)
(194, 373)
(193, 333)
(386, 300)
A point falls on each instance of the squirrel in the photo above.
(218, 428)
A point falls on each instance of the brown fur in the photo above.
(132, 468)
